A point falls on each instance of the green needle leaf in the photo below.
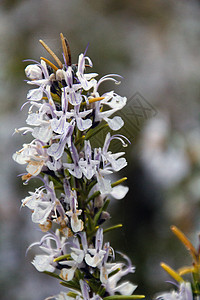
(67, 256)
(52, 274)
(71, 294)
(94, 132)
(118, 181)
(112, 227)
(70, 285)
(103, 208)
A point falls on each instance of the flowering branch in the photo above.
(65, 111)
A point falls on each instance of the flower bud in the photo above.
(104, 216)
(33, 72)
(98, 202)
(60, 75)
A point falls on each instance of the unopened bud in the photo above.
(98, 202)
(60, 75)
(52, 77)
(33, 72)
(105, 215)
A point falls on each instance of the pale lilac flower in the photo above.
(85, 79)
(115, 123)
(96, 255)
(119, 192)
(72, 90)
(88, 165)
(37, 94)
(43, 130)
(108, 157)
(85, 289)
(81, 123)
(112, 286)
(104, 184)
(76, 223)
(33, 72)
(45, 262)
(68, 273)
(77, 253)
(184, 293)
(74, 168)
(64, 133)
(43, 204)
(114, 101)
(111, 163)
(32, 154)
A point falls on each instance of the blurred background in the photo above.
(154, 45)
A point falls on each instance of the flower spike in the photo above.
(70, 205)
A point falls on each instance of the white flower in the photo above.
(43, 204)
(64, 133)
(76, 223)
(119, 192)
(33, 72)
(72, 91)
(113, 100)
(85, 289)
(117, 163)
(37, 94)
(88, 165)
(85, 79)
(125, 288)
(77, 253)
(68, 273)
(95, 256)
(32, 154)
(43, 130)
(104, 185)
(184, 293)
(43, 263)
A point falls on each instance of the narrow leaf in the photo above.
(70, 285)
(112, 227)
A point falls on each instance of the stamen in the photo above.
(171, 272)
(49, 63)
(112, 227)
(51, 53)
(66, 49)
(186, 270)
(96, 99)
(66, 256)
(93, 100)
(118, 181)
(185, 241)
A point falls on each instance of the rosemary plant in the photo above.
(70, 206)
